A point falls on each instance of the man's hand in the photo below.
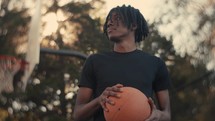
(155, 113)
(108, 92)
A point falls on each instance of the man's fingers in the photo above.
(110, 92)
(103, 106)
(115, 88)
(151, 102)
(104, 101)
(119, 85)
(113, 91)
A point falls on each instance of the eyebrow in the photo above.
(114, 15)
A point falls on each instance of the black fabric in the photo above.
(136, 69)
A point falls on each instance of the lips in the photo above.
(110, 30)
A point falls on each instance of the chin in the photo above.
(114, 39)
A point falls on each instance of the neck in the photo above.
(125, 46)
(126, 43)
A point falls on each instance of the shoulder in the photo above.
(98, 56)
(149, 58)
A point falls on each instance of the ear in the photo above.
(133, 27)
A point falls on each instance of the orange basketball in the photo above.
(131, 106)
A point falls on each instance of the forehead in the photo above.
(114, 14)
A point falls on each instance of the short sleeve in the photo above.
(162, 79)
(87, 78)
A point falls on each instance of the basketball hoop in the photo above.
(9, 66)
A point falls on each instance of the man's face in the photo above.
(116, 29)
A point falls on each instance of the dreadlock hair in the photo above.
(130, 16)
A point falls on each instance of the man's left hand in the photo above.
(155, 113)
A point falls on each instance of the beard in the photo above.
(118, 38)
(115, 39)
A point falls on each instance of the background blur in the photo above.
(182, 33)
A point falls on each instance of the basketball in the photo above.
(131, 106)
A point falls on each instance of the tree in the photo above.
(190, 26)
(190, 91)
(12, 31)
(53, 85)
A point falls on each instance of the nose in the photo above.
(110, 22)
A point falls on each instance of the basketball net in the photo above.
(33, 49)
(9, 66)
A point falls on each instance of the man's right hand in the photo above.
(110, 92)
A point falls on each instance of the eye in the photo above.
(119, 18)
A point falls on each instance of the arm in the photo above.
(163, 113)
(85, 107)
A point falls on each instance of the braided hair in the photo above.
(130, 16)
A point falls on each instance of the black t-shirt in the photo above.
(135, 69)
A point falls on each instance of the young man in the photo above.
(104, 74)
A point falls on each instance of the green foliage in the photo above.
(13, 24)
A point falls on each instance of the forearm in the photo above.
(164, 104)
(83, 112)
